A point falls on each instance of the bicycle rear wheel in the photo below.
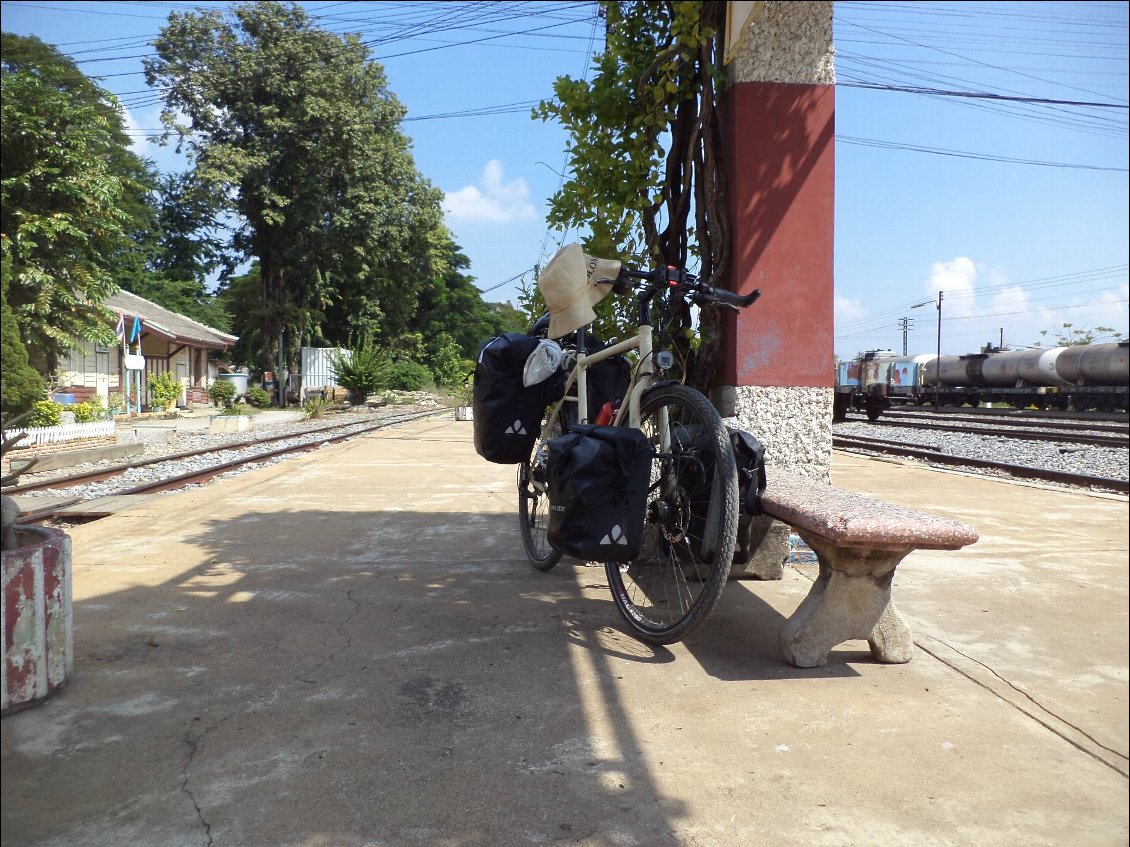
(692, 518)
(533, 503)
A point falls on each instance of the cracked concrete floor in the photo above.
(348, 649)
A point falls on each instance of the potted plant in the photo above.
(38, 632)
(165, 390)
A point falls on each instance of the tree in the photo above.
(69, 196)
(1067, 335)
(645, 131)
(20, 385)
(296, 130)
(449, 303)
(240, 299)
(180, 252)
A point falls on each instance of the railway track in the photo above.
(1067, 432)
(291, 443)
(1020, 414)
(1019, 419)
(934, 455)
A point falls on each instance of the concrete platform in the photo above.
(348, 648)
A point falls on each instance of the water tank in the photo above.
(238, 380)
(1095, 364)
(1038, 367)
(1002, 369)
(954, 371)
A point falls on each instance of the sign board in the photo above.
(134, 362)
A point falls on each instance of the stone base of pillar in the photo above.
(794, 424)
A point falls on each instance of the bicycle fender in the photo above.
(657, 385)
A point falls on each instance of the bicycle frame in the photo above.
(642, 378)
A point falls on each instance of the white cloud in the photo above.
(957, 280)
(849, 309)
(492, 200)
(1009, 301)
(139, 141)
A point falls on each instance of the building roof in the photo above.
(161, 321)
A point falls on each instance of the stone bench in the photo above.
(858, 541)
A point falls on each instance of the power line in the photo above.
(508, 281)
(981, 95)
(965, 154)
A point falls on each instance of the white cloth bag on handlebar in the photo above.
(542, 363)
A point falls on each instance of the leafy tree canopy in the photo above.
(20, 385)
(296, 130)
(1067, 335)
(71, 194)
(645, 149)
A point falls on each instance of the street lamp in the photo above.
(938, 361)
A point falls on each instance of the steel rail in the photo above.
(1076, 423)
(114, 470)
(204, 474)
(1020, 434)
(855, 443)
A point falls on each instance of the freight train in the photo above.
(1080, 377)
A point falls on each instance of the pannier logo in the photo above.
(516, 428)
(615, 536)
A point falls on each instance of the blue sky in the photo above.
(1016, 210)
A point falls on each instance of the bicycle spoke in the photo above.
(691, 520)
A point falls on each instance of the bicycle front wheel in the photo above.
(533, 503)
(691, 520)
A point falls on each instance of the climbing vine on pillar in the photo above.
(645, 174)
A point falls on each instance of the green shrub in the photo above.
(314, 406)
(258, 397)
(238, 409)
(408, 376)
(164, 389)
(89, 410)
(221, 393)
(20, 385)
(117, 403)
(364, 371)
(46, 413)
(445, 360)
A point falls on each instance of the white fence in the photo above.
(39, 435)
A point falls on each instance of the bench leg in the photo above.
(850, 599)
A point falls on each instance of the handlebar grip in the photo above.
(732, 298)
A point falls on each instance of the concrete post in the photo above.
(778, 117)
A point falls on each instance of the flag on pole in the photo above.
(120, 329)
(136, 333)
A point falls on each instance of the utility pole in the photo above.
(1001, 345)
(905, 324)
(938, 383)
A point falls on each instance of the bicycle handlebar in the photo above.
(687, 283)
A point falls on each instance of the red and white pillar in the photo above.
(778, 116)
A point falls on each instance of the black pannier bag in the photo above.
(694, 465)
(598, 479)
(749, 454)
(507, 415)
